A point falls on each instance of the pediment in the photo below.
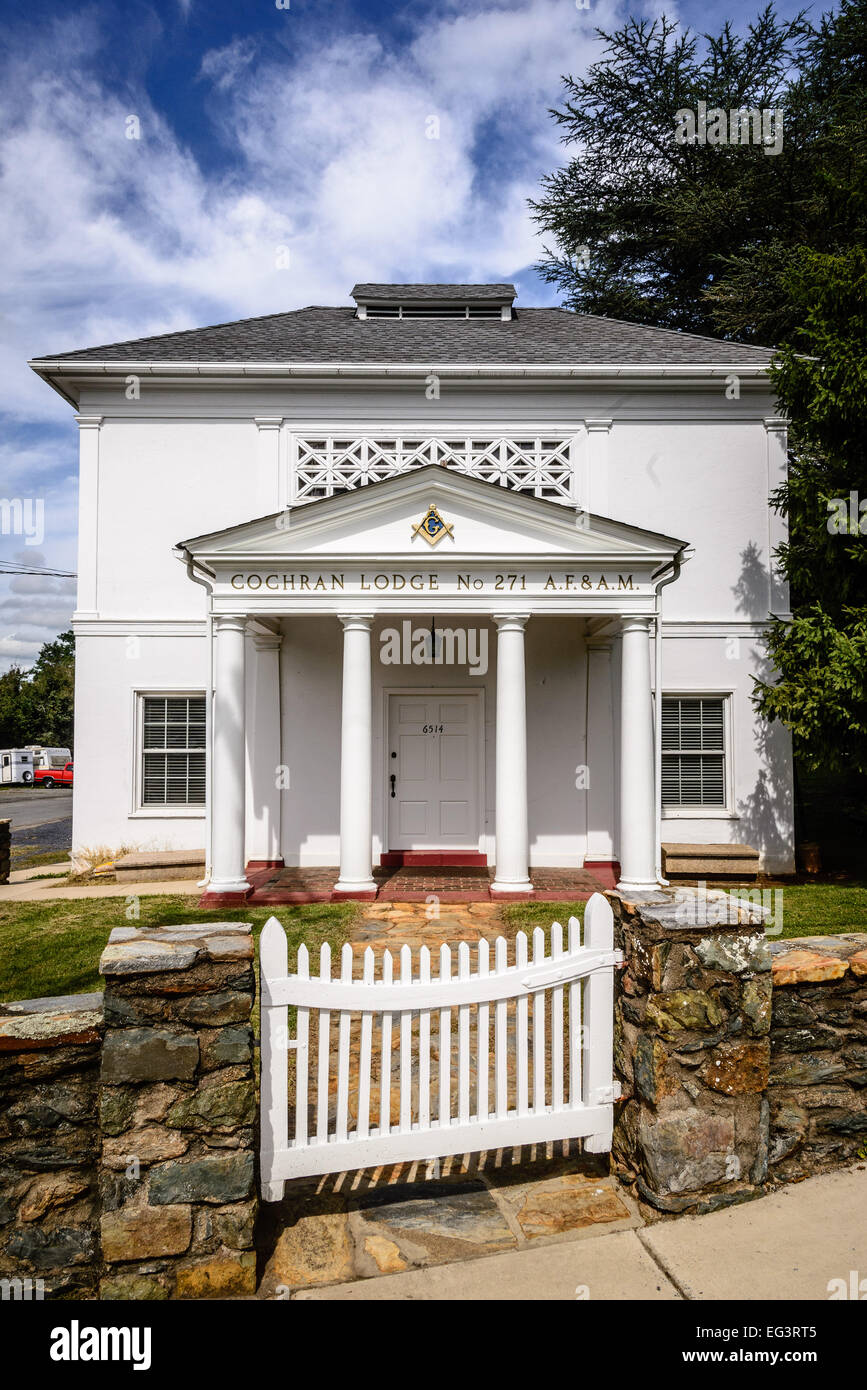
(385, 520)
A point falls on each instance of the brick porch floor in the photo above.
(408, 885)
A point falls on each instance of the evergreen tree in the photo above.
(731, 241)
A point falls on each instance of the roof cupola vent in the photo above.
(434, 301)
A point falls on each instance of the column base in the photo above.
(522, 886)
(649, 885)
(364, 888)
(226, 892)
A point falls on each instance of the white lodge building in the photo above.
(431, 579)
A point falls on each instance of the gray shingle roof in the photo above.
(402, 294)
(532, 336)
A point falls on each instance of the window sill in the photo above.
(168, 813)
(699, 813)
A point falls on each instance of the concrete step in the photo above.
(710, 861)
(169, 864)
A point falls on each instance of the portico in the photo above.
(438, 758)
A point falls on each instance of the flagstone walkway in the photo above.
(412, 1216)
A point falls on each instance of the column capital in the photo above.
(776, 424)
(635, 623)
(600, 644)
(598, 424)
(510, 622)
(88, 422)
(267, 422)
(230, 622)
(267, 641)
(359, 622)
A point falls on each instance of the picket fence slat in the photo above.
(444, 1109)
(483, 1039)
(424, 1045)
(342, 1127)
(385, 1055)
(557, 1024)
(324, 1052)
(566, 1039)
(365, 1055)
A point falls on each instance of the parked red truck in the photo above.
(53, 776)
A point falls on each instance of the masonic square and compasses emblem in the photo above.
(432, 527)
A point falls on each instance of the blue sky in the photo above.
(260, 128)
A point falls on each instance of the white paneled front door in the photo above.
(433, 759)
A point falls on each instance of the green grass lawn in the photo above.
(820, 909)
(805, 909)
(23, 857)
(54, 947)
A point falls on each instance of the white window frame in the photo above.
(726, 812)
(139, 810)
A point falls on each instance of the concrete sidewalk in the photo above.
(37, 890)
(786, 1246)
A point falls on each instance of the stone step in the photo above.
(710, 861)
(170, 864)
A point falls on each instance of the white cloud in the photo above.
(223, 66)
(106, 238)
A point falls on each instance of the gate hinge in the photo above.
(605, 1095)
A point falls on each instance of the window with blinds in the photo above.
(173, 750)
(693, 750)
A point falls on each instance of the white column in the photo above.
(264, 756)
(512, 830)
(637, 801)
(88, 515)
(229, 755)
(600, 752)
(356, 750)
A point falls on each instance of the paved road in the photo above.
(35, 807)
(41, 818)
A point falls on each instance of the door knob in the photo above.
(392, 779)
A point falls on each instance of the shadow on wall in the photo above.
(767, 813)
(752, 591)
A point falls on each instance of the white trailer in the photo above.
(16, 766)
(48, 757)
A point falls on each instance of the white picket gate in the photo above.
(393, 1096)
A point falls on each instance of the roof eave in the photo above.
(64, 367)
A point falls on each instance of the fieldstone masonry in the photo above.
(49, 1146)
(818, 1083)
(177, 1110)
(692, 1052)
(128, 1121)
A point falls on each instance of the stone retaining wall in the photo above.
(128, 1121)
(692, 1017)
(49, 1146)
(177, 1113)
(818, 1082)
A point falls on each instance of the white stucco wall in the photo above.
(189, 460)
(109, 670)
